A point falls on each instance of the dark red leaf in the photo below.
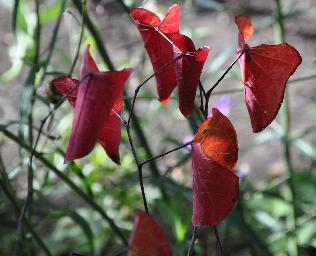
(188, 71)
(66, 86)
(158, 45)
(97, 102)
(110, 135)
(148, 237)
(265, 71)
(215, 189)
(218, 140)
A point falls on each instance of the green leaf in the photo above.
(51, 12)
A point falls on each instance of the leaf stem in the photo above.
(209, 92)
(191, 248)
(219, 243)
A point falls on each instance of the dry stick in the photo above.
(202, 96)
(190, 251)
(140, 169)
(127, 125)
(221, 248)
(209, 92)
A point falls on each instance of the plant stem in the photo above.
(190, 251)
(285, 112)
(8, 191)
(83, 15)
(69, 182)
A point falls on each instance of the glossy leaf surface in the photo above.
(265, 71)
(215, 189)
(218, 140)
(156, 35)
(94, 119)
(188, 71)
(148, 237)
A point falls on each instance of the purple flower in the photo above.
(187, 139)
(223, 105)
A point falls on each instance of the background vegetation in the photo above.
(275, 212)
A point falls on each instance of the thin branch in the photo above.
(202, 96)
(145, 81)
(209, 92)
(219, 243)
(69, 182)
(29, 196)
(191, 248)
(128, 123)
(53, 40)
(166, 153)
(83, 15)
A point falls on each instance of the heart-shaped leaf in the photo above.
(218, 140)
(156, 35)
(265, 71)
(97, 102)
(188, 70)
(214, 155)
(215, 189)
(148, 237)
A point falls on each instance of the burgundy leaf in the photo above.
(148, 237)
(97, 102)
(66, 86)
(265, 71)
(156, 35)
(218, 140)
(215, 189)
(188, 71)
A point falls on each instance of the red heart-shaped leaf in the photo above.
(66, 86)
(156, 35)
(97, 102)
(215, 189)
(265, 71)
(188, 71)
(148, 237)
(218, 140)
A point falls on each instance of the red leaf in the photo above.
(158, 46)
(65, 85)
(148, 237)
(110, 136)
(245, 29)
(94, 119)
(188, 71)
(265, 71)
(215, 189)
(218, 140)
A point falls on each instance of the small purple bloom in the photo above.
(187, 139)
(223, 105)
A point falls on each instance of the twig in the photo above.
(53, 40)
(127, 125)
(83, 15)
(202, 96)
(29, 196)
(69, 182)
(209, 92)
(219, 243)
(191, 248)
(37, 34)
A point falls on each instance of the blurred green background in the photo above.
(276, 208)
